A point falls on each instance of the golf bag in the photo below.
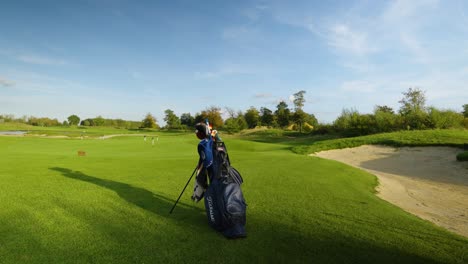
(224, 203)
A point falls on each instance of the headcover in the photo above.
(202, 130)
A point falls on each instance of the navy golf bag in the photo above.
(224, 203)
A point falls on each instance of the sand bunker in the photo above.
(426, 181)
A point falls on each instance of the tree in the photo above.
(235, 123)
(385, 119)
(73, 120)
(43, 121)
(311, 120)
(299, 100)
(383, 109)
(230, 112)
(465, 110)
(149, 121)
(187, 120)
(282, 114)
(99, 121)
(414, 100)
(252, 117)
(87, 122)
(443, 119)
(299, 117)
(172, 120)
(352, 123)
(266, 116)
(213, 114)
(413, 108)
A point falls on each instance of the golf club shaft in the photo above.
(183, 190)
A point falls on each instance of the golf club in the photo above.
(183, 190)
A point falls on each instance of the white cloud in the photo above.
(344, 39)
(263, 95)
(5, 82)
(32, 82)
(407, 9)
(254, 13)
(41, 60)
(414, 46)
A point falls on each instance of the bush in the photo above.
(443, 119)
(323, 129)
(462, 156)
(465, 122)
(351, 123)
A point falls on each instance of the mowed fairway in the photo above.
(112, 206)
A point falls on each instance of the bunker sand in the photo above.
(426, 181)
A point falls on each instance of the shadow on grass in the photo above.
(327, 244)
(396, 229)
(140, 197)
(269, 241)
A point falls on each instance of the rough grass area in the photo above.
(112, 206)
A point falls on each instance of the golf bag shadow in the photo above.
(224, 202)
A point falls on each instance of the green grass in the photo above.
(453, 138)
(112, 206)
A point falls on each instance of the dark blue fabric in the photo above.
(212, 205)
(205, 151)
(226, 208)
(235, 231)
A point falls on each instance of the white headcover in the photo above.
(198, 191)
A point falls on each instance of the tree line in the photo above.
(282, 117)
(412, 114)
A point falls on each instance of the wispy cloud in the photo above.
(406, 20)
(5, 82)
(263, 95)
(400, 10)
(364, 33)
(414, 46)
(45, 84)
(41, 60)
(255, 12)
(344, 39)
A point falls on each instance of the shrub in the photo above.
(443, 119)
(462, 156)
(322, 129)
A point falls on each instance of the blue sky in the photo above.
(123, 59)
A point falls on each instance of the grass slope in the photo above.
(111, 206)
(307, 145)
